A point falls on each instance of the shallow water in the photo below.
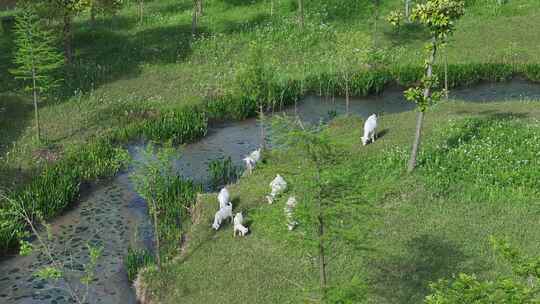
(113, 216)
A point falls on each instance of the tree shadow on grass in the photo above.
(408, 33)
(241, 2)
(248, 25)
(405, 278)
(106, 56)
(15, 116)
(473, 127)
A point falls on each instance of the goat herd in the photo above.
(277, 186)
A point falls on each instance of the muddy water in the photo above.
(113, 216)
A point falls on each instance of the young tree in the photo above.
(439, 17)
(351, 52)
(36, 58)
(328, 218)
(56, 269)
(157, 182)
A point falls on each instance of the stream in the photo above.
(112, 215)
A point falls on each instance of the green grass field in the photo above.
(410, 230)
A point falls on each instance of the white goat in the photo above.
(370, 129)
(238, 225)
(289, 213)
(223, 214)
(223, 197)
(252, 159)
(278, 185)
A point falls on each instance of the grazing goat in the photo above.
(370, 129)
(238, 225)
(289, 213)
(252, 159)
(223, 197)
(223, 214)
(278, 186)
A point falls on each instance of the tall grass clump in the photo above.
(180, 126)
(222, 172)
(489, 159)
(135, 260)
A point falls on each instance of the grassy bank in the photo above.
(477, 177)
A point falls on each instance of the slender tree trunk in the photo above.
(420, 116)
(141, 11)
(200, 8)
(446, 73)
(320, 217)
(347, 99)
(156, 235)
(301, 13)
(263, 134)
(36, 112)
(68, 48)
(93, 15)
(194, 19)
(407, 13)
(375, 28)
(271, 7)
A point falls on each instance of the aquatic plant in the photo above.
(135, 260)
(222, 172)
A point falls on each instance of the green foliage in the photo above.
(396, 18)
(135, 260)
(492, 158)
(49, 273)
(94, 253)
(223, 172)
(438, 16)
(521, 288)
(36, 57)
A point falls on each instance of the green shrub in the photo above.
(135, 260)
